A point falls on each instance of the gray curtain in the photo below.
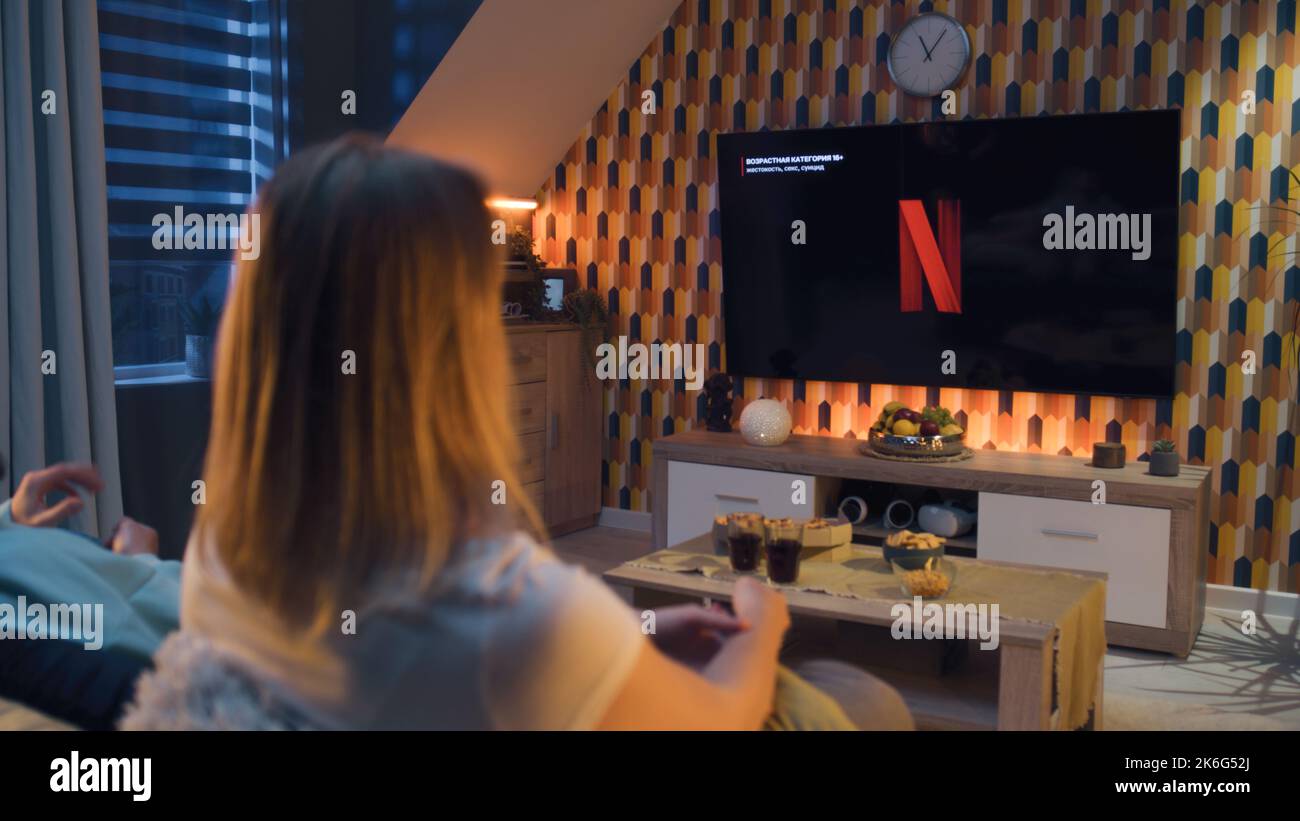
(54, 250)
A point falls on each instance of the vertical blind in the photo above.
(194, 115)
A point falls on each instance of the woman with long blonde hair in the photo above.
(349, 565)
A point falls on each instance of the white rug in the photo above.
(1124, 711)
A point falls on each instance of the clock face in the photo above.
(929, 54)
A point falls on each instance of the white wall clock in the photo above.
(929, 54)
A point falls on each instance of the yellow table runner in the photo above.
(1074, 604)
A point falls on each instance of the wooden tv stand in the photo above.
(1150, 536)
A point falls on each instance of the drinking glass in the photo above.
(745, 540)
(784, 544)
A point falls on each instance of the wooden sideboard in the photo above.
(1150, 536)
(557, 418)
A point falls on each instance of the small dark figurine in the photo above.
(717, 403)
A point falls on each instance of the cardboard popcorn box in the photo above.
(826, 533)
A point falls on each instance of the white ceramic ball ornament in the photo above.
(765, 422)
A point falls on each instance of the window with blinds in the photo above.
(194, 115)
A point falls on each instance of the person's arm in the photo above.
(732, 692)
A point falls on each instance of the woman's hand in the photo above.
(732, 691)
(29, 506)
(130, 538)
(692, 634)
(759, 605)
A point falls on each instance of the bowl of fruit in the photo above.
(901, 431)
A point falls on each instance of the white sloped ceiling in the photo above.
(522, 80)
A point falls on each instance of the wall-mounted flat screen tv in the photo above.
(1015, 254)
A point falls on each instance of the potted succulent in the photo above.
(1164, 459)
(200, 321)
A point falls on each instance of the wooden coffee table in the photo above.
(1014, 691)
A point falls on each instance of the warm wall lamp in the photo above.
(515, 212)
(512, 204)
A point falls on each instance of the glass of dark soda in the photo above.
(744, 541)
(784, 544)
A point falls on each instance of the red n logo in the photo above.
(919, 251)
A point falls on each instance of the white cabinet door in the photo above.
(697, 493)
(1130, 544)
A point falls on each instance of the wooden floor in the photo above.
(600, 548)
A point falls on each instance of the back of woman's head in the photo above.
(360, 414)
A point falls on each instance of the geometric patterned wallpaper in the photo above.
(633, 206)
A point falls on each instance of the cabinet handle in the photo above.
(1070, 534)
(555, 431)
(731, 498)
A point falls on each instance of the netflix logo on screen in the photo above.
(936, 255)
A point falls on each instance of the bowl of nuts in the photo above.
(912, 551)
(932, 581)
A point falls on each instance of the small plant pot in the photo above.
(198, 356)
(1164, 464)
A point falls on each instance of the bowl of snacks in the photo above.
(931, 581)
(901, 431)
(912, 551)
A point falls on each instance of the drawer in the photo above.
(529, 406)
(532, 457)
(697, 493)
(537, 493)
(527, 356)
(1129, 544)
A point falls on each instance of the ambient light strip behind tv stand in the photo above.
(1150, 536)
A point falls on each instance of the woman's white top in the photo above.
(510, 638)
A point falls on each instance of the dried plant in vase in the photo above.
(1284, 223)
